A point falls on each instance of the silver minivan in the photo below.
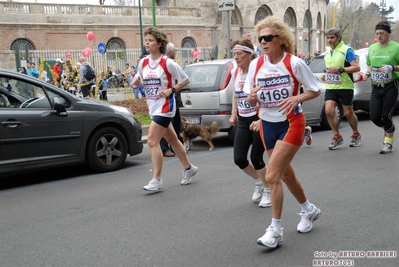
(208, 97)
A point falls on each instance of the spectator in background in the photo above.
(84, 84)
(103, 85)
(31, 70)
(139, 90)
(22, 70)
(56, 72)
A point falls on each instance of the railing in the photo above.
(16, 8)
(54, 9)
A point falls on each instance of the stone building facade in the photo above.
(189, 24)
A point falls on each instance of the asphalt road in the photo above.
(71, 217)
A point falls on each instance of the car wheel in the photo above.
(106, 150)
(232, 133)
(324, 121)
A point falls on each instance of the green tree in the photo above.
(357, 21)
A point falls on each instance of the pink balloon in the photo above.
(85, 53)
(195, 54)
(366, 44)
(375, 40)
(199, 50)
(90, 36)
(89, 50)
(68, 55)
(192, 52)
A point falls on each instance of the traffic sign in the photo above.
(101, 48)
(226, 5)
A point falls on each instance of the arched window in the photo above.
(262, 13)
(22, 44)
(116, 43)
(116, 53)
(290, 18)
(188, 42)
(307, 19)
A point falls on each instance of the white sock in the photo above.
(266, 189)
(276, 223)
(307, 206)
(258, 182)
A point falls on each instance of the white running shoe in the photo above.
(265, 201)
(154, 186)
(308, 135)
(188, 174)
(355, 140)
(335, 142)
(306, 223)
(386, 149)
(257, 195)
(272, 238)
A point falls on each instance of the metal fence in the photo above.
(100, 62)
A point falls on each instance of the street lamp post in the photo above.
(335, 14)
(154, 22)
(141, 29)
(309, 20)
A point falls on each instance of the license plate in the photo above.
(193, 120)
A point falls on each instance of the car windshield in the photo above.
(205, 78)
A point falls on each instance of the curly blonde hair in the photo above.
(247, 43)
(281, 29)
(160, 36)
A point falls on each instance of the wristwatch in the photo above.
(173, 90)
(341, 70)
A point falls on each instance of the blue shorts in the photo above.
(163, 121)
(291, 131)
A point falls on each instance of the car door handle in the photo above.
(11, 124)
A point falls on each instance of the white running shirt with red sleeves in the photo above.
(157, 75)
(277, 84)
(245, 109)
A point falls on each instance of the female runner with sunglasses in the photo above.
(274, 81)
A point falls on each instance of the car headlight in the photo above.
(123, 110)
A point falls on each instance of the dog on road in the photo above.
(190, 131)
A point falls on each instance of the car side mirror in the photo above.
(59, 107)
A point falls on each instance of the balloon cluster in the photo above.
(196, 53)
(87, 51)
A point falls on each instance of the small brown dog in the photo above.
(190, 131)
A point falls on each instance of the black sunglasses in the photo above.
(267, 38)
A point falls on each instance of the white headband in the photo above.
(243, 48)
